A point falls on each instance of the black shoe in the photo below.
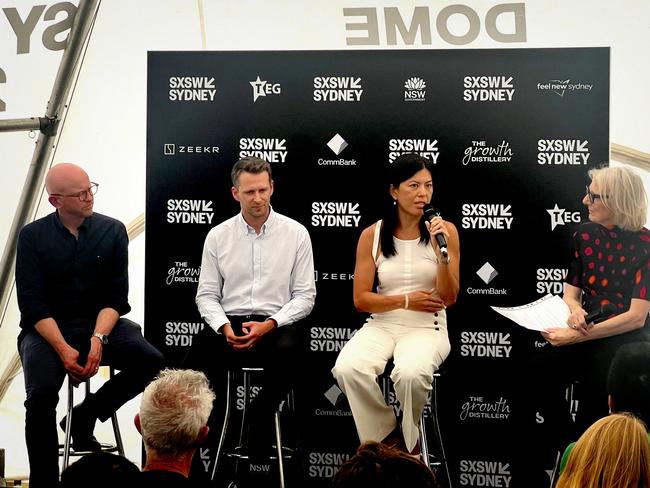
(82, 429)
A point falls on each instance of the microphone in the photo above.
(429, 214)
(600, 313)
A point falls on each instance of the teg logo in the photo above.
(484, 473)
(560, 216)
(557, 152)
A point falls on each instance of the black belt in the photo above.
(238, 319)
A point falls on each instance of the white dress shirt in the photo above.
(244, 273)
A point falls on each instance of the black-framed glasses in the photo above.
(591, 195)
(84, 195)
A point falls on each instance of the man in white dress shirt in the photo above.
(256, 285)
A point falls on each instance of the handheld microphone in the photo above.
(601, 313)
(429, 214)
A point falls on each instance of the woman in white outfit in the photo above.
(408, 322)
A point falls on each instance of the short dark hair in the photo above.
(378, 466)
(628, 381)
(101, 470)
(249, 164)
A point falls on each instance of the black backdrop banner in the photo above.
(512, 134)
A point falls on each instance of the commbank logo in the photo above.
(271, 150)
(562, 151)
(337, 89)
(560, 216)
(334, 394)
(263, 88)
(414, 90)
(488, 88)
(191, 88)
(337, 144)
(487, 272)
(427, 148)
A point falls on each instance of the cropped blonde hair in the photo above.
(613, 453)
(623, 193)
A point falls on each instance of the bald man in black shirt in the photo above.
(72, 283)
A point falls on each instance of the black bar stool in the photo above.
(238, 453)
(66, 449)
(435, 461)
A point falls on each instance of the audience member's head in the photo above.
(628, 383)
(614, 453)
(174, 412)
(378, 466)
(100, 470)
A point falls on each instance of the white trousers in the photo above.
(417, 353)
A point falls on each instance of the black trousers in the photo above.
(137, 361)
(545, 418)
(278, 352)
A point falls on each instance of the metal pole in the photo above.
(56, 105)
(12, 125)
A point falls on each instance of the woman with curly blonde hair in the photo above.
(613, 453)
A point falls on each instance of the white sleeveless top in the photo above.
(414, 267)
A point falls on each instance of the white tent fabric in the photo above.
(105, 125)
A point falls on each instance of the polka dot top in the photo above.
(610, 266)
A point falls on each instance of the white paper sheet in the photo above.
(548, 311)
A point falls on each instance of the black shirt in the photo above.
(71, 279)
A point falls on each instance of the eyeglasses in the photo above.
(591, 195)
(84, 195)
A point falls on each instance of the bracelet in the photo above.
(406, 300)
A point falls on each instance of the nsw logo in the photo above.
(414, 90)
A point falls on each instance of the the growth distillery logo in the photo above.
(485, 344)
(337, 89)
(325, 464)
(479, 473)
(329, 339)
(335, 214)
(558, 152)
(560, 87)
(264, 88)
(550, 280)
(560, 216)
(427, 148)
(487, 216)
(184, 211)
(480, 152)
(171, 149)
(487, 273)
(191, 89)
(482, 408)
(182, 272)
(415, 89)
(181, 334)
(270, 149)
(488, 88)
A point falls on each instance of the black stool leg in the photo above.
(68, 424)
(278, 440)
(436, 429)
(226, 418)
